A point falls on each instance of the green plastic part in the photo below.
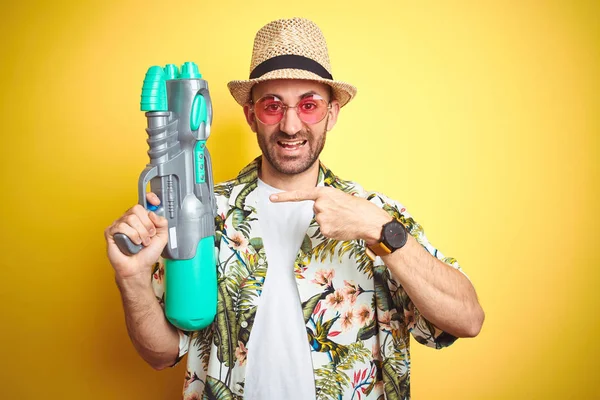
(200, 172)
(189, 70)
(154, 91)
(171, 71)
(191, 288)
(198, 113)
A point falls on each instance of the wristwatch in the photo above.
(393, 237)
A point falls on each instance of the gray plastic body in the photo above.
(188, 206)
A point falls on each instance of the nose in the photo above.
(290, 123)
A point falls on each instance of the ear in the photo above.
(333, 114)
(250, 117)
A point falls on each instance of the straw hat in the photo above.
(290, 49)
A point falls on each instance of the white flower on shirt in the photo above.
(335, 299)
(347, 319)
(363, 314)
(386, 321)
(324, 276)
(239, 242)
(351, 291)
(409, 317)
(241, 352)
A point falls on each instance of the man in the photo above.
(350, 273)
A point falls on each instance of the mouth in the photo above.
(291, 145)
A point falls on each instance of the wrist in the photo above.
(393, 237)
(403, 253)
(134, 283)
(372, 235)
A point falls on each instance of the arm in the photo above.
(440, 292)
(155, 339)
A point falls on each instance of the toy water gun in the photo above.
(179, 114)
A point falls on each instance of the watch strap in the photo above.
(379, 249)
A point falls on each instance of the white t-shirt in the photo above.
(279, 360)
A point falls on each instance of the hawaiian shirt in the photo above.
(358, 317)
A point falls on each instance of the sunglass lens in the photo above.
(312, 109)
(269, 110)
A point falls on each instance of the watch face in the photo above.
(394, 235)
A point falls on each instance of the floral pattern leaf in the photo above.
(244, 282)
(248, 174)
(395, 384)
(216, 390)
(367, 331)
(202, 340)
(306, 246)
(256, 244)
(309, 305)
(357, 353)
(356, 251)
(329, 382)
(382, 293)
(226, 327)
(223, 190)
(240, 220)
(240, 200)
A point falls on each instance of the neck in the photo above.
(302, 181)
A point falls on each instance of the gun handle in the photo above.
(125, 244)
(151, 171)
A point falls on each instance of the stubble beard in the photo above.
(292, 165)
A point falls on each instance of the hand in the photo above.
(340, 215)
(143, 227)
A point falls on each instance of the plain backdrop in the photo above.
(480, 117)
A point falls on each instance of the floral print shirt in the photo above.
(358, 317)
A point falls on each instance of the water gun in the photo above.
(179, 114)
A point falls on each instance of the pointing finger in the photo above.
(295, 195)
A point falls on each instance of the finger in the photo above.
(142, 214)
(161, 223)
(295, 195)
(152, 198)
(162, 231)
(319, 219)
(134, 221)
(318, 207)
(126, 229)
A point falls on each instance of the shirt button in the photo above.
(244, 324)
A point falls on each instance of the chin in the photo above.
(292, 166)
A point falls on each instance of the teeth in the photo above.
(292, 143)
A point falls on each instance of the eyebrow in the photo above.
(303, 96)
(311, 93)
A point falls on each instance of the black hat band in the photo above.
(290, 61)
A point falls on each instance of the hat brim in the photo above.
(240, 90)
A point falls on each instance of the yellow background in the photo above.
(481, 117)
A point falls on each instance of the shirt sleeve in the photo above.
(158, 285)
(421, 329)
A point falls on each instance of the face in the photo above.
(291, 146)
